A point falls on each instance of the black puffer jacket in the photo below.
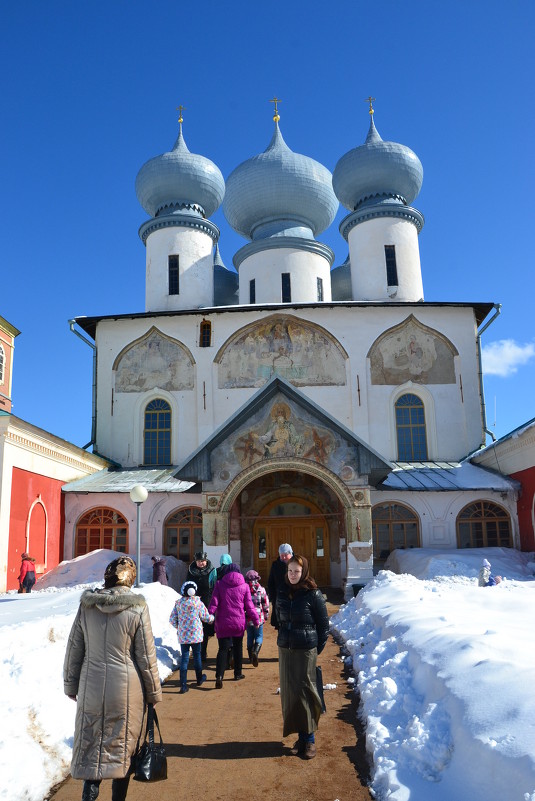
(202, 576)
(303, 619)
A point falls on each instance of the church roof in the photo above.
(197, 466)
(279, 191)
(444, 477)
(377, 170)
(154, 479)
(180, 180)
(89, 324)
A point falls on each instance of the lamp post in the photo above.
(138, 495)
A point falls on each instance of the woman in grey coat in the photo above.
(110, 669)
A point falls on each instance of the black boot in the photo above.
(256, 651)
(90, 790)
(183, 682)
(201, 677)
(119, 789)
(250, 652)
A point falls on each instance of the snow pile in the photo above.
(445, 674)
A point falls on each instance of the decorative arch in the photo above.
(411, 429)
(154, 360)
(412, 351)
(101, 528)
(484, 524)
(30, 545)
(303, 353)
(394, 525)
(157, 433)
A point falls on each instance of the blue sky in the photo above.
(89, 93)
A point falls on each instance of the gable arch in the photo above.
(154, 360)
(302, 352)
(412, 351)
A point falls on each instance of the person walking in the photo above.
(303, 632)
(255, 634)
(276, 578)
(231, 598)
(187, 617)
(159, 572)
(204, 575)
(27, 573)
(110, 670)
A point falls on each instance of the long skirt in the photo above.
(301, 704)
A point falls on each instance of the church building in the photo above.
(296, 401)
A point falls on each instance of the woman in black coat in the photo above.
(303, 631)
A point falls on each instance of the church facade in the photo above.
(289, 401)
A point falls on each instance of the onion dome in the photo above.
(180, 181)
(279, 193)
(377, 171)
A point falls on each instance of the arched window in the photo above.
(157, 433)
(483, 524)
(410, 429)
(183, 533)
(2, 363)
(394, 526)
(205, 335)
(101, 528)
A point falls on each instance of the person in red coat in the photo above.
(27, 573)
(230, 599)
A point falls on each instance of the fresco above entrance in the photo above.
(412, 352)
(281, 429)
(154, 361)
(302, 353)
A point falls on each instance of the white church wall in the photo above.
(368, 265)
(267, 266)
(453, 418)
(196, 275)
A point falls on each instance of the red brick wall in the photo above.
(25, 489)
(525, 508)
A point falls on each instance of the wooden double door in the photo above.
(302, 525)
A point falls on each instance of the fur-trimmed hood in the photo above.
(112, 600)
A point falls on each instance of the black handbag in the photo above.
(150, 762)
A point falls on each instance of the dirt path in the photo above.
(226, 745)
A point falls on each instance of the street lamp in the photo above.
(138, 495)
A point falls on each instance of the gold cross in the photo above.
(180, 109)
(276, 116)
(370, 100)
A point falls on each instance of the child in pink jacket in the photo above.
(187, 617)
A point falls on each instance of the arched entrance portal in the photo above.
(289, 505)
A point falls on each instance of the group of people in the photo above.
(111, 638)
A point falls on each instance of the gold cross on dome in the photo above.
(276, 116)
(180, 109)
(370, 100)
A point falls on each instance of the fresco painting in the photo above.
(155, 361)
(412, 352)
(301, 353)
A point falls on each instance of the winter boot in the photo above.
(119, 789)
(183, 682)
(250, 652)
(90, 790)
(256, 651)
(310, 751)
(201, 677)
(218, 682)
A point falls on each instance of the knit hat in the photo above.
(486, 563)
(226, 559)
(285, 548)
(24, 556)
(188, 588)
(252, 575)
(120, 572)
(200, 556)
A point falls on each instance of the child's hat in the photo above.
(285, 548)
(188, 588)
(486, 563)
(252, 575)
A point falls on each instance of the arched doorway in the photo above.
(297, 521)
(483, 524)
(394, 526)
(101, 528)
